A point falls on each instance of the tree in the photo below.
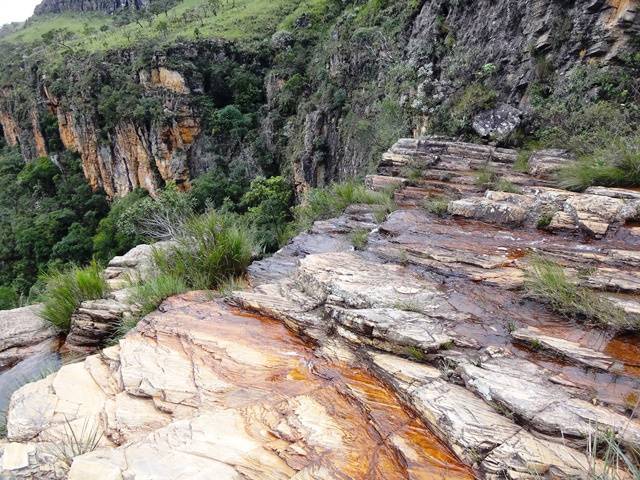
(60, 37)
(213, 6)
(163, 27)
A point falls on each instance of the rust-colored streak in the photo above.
(267, 364)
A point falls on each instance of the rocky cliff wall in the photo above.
(108, 6)
(329, 106)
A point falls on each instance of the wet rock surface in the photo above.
(205, 391)
(513, 388)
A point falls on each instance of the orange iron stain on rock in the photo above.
(354, 426)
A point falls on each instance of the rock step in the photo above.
(476, 431)
(24, 333)
(573, 350)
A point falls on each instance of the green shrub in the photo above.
(8, 298)
(268, 210)
(548, 282)
(436, 205)
(217, 186)
(66, 289)
(210, 249)
(359, 238)
(544, 220)
(474, 99)
(617, 165)
(48, 215)
(113, 237)
(329, 202)
(158, 218)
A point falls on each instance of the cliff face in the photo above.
(355, 90)
(108, 6)
(132, 156)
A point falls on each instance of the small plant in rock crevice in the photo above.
(544, 220)
(359, 238)
(416, 354)
(74, 442)
(504, 185)
(438, 206)
(548, 282)
(486, 178)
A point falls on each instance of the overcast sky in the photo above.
(16, 10)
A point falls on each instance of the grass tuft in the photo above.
(504, 185)
(359, 238)
(65, 290)
(74, 443)
(617, 165)
(548, 282)
(212, 252)
(436, 205)
(486, 178)
(608, 460)
(330, 202)
(209, 249)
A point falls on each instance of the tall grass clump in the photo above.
(608, 460)
(147, 296)
(65, 290)
(209, 249)
(329, 202)
(75, 441)
(616, 165)
(548, 282)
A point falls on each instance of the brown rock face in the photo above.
(38, 138)
(133, 156)
(9, 128)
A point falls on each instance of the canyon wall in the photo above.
(361, 88)
(109, 6)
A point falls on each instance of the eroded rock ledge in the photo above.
(432, 310)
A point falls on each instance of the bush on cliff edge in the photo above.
(66, 289)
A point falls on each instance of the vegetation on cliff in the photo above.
(48, 215)
(249, 104)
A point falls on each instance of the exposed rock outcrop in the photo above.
(107, 6)
(433, 307)
(95, 321)
(192, 394)
(24, 333)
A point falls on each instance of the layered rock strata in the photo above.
(433, 307)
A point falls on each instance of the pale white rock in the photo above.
(525, 457)
(571, 350)
(488, 211)
(24, 333)
(15, 456)
(523, 388)
(392, 329)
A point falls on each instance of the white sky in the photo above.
(16, 10)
